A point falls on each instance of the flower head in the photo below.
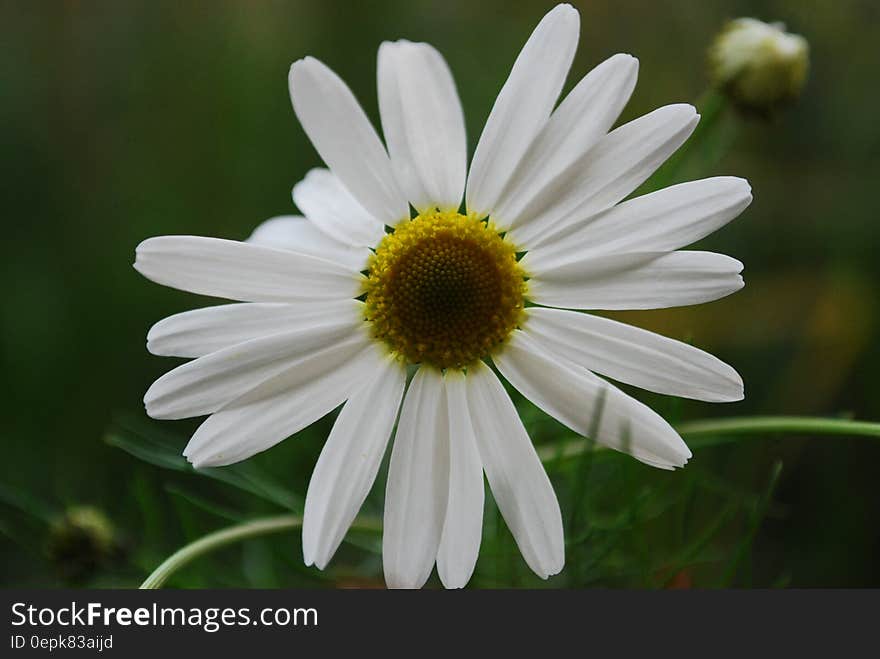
(337, 304)
(759, 65)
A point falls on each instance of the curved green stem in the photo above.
(227, 536)
(216, 540)
(721, 431)
(699, 433)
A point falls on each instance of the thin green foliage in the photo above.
(602, 547)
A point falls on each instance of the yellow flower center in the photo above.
(444, 289)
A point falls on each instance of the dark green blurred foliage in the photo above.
(120, 121)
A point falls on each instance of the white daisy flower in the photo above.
(335, 305)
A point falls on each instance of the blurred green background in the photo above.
(120, 121)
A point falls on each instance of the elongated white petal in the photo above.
(658, 222)
(199, 332)
(617, 165)
(522, 107)
(423, 124)
(345, 139)
(284, 404)
(242, 271)
(206, 384)
(581, 120)
(418, 484)
(298, 234)
(349, 461)
(633, 355)
(516, 476)
(328, 204)
(463, 528)
(590, 406)
(638, 281)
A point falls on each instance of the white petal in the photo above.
(284, 404)
(581, 120)
(418, 484)
(638, 281)
(423, 124)
(345, 139)
(298, 234)
(522, 107)
(617, 165)
(349, 461)
(633, 355)
(242, 271)
(327, 203)
(463, 528)
(588, 405)
(206, 384)
(516, 476)
(658, 222)
(202, 331)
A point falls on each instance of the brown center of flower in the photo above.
(444, 289)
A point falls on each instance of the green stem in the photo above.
(780, 424)
(713, 432)
(228, 536)
(711, 106)
(216, 540)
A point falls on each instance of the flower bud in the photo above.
(759, 66)
(81, 541)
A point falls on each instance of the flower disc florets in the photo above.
(444, 289)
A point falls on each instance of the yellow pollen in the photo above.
(444, 289)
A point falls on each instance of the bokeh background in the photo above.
(120, 121)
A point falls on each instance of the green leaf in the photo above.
(27, 503)
(205, 504)
(247, 476)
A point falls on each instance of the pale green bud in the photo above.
(759, 65)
